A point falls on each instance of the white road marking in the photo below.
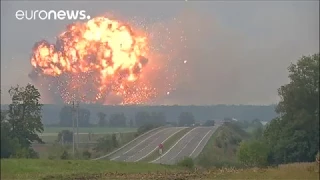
(144, 141)
(161, 143)
(200, 142)
(137, 145)
(114, 158)
(135, 139)
(142, 148)
(182, 148)
(174, 145)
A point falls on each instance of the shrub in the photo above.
(86, 154)
(186, 162)
(28, 153)
(253, 153)
(65, 136)
(65, 155)
(52, 157)
(105, 144)
(218, 143)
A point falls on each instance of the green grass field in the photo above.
(50, 134)
(33, 169)
(50, 148)
(52, 169)
(96, 130)
(82, 137)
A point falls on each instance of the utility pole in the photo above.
(77, 125)
(73, 139)
(62, 140)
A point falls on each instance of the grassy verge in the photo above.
(30, 169)
(38, 169)
(220, 151)
(170, 142)
(305, 171)
(83, 137)
(51, 138)
(51, 149)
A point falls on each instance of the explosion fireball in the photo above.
(94, 59)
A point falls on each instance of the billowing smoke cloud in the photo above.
(235, 52)
(91, 60)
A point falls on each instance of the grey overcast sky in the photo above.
(240, 56)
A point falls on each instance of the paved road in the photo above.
(142, 148)
(191, 144)
(131, 144)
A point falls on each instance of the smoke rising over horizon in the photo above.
(233, 52)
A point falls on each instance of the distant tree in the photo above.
(256, 123)
(118, 120)
(142, 118)
(158, 118)
(244, 124)
(294, 134)
(106, 144)
(186, 118)
(66, 117)
(131, 123)
(172, 124)
(21, 124)
(9, 144)
(257, 133)
(146, 118)
(145, 128)
(84, 118)
(102, 119)
(65, 136)
(209, 123)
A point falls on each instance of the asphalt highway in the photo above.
(190, 145)
(144, 146)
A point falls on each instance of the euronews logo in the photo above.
(52, 15)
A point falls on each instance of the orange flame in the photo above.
(100, 56)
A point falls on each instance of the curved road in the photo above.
(190, 145)
(142, 148)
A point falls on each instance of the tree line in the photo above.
(51, 112)
(293, 136)
(141, 118)
(21, 123)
